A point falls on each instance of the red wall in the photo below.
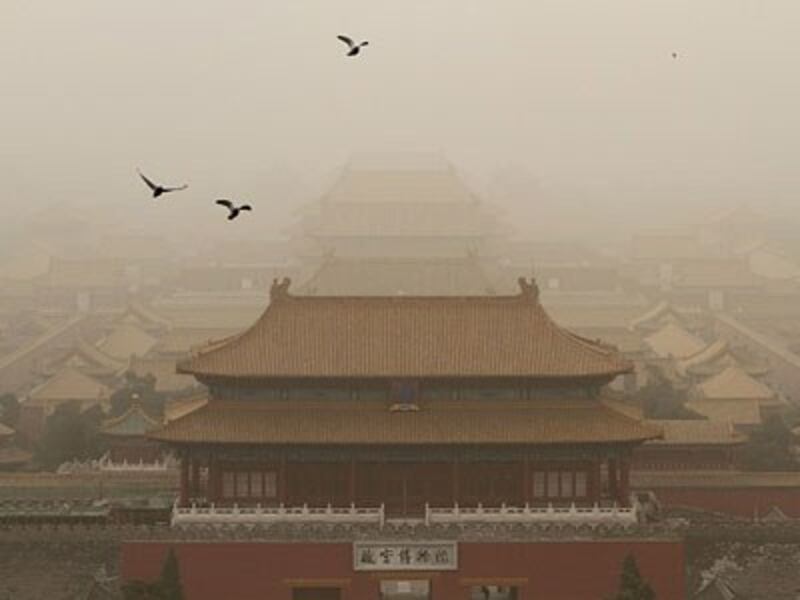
(585, 570)
(740, 502)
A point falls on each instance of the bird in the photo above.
(674, 55)
(233, 210)
(354, 48)
(160, 189)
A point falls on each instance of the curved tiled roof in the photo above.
(405, 336)
(127, 340)
(672, 341)
(133, 421)
(697, 431)
(733, 382)
(68, 384)
(586, 420)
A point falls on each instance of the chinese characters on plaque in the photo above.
(409, 556)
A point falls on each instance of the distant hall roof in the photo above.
(733, 382)
(697, 432)
(672, 341)
(406, 336)
(403, 186)
(127, 340)
(68, 384)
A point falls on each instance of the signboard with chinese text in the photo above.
(405, 556)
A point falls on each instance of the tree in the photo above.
(660, 400)
(770, 447)
(632, 585)
(141, 390)
(168, 586)
(71, 435)
(9, 410)
(170, 582)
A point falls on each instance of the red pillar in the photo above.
(183, 497)
(595, 483)
(526, 479)
(351, 481)
(195, 489)
(456, 471)
(624, 481)
(212, 491)
(282, 495)
(613, 479)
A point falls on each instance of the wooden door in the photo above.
(404, 488)
(428, 483)
(394, 489)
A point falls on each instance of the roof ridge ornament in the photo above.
(529, 289)
(279, 289)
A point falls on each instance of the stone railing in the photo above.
(141, 466)
(105, 464)
(261, 515)
(572, 515)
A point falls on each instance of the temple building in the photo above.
(411, 395)
(388, 446)
(66, 387)
(391, 228)
(733, 387)
(691, 445)
(127, 439)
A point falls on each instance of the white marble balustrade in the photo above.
(573, 515)
(254, 515)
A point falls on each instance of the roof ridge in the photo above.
(276, 337)
(132, 409)
(529, 290)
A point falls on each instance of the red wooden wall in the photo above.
(585, 570)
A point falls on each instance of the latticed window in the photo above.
(552, 484)
(580, 484)
(256, 484)
(270, 484)
(228, 485)
(566, 484)
(539, 484)
(242, 488)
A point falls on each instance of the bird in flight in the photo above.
(233, 210)
(160, 189)
(354, 48)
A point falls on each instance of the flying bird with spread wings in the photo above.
(354, 48)
(233, 210)
(160, 189)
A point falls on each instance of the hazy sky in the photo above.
(232, 95)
